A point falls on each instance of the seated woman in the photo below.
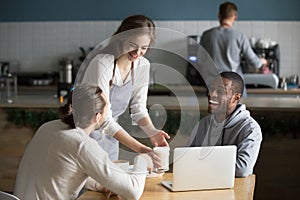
(61, 156)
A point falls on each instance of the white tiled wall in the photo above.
(37, 46)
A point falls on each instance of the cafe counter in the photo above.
(258, 103)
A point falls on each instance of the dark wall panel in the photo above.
(65, 10)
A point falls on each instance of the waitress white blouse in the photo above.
(120, 95)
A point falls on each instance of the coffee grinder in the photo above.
(65, 78)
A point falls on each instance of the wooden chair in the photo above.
(7, 196)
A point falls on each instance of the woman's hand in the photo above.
(159, 139)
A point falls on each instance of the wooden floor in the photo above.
(13, 141)
(277, 168)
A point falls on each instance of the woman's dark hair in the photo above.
(131, 26)
(83, 103)
(137, 22)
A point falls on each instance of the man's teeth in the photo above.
(213, 102)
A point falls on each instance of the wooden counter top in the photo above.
(281, 104)
(44, 98)
(180, 89)
(32, 101)
(168, 102)
(273, 91)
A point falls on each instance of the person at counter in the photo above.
(61, 157)
(226, 46)
(229, 123)
(123, 73)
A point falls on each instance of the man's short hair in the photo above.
(237, 81)
(227, 10)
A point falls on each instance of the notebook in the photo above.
(202, 168)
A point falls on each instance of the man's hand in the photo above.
(150, 161)
(106, 191)
(264, 68)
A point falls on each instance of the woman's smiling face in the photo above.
(137, 47)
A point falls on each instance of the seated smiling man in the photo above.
(229, 123)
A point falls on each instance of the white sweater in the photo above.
(58, 161)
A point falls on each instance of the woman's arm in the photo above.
(157, 137)
(138, 106)
(131, 142)
(138, 147)
(100, 71)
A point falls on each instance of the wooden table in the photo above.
(243, 189)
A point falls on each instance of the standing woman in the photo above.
(123, 74)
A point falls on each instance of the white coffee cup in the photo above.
(163, 153)
(123, 164)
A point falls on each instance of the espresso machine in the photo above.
(253, 77)
(270, 53)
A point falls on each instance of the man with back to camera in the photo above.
(226, 46)
(229, 123)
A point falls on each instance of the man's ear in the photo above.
(98, 117)
(235, 17)
(237, 97)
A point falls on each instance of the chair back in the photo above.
(7, 196)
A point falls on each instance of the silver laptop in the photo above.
(202, 168)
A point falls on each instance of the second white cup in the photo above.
(163, 153)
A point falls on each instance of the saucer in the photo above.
(149, 175)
